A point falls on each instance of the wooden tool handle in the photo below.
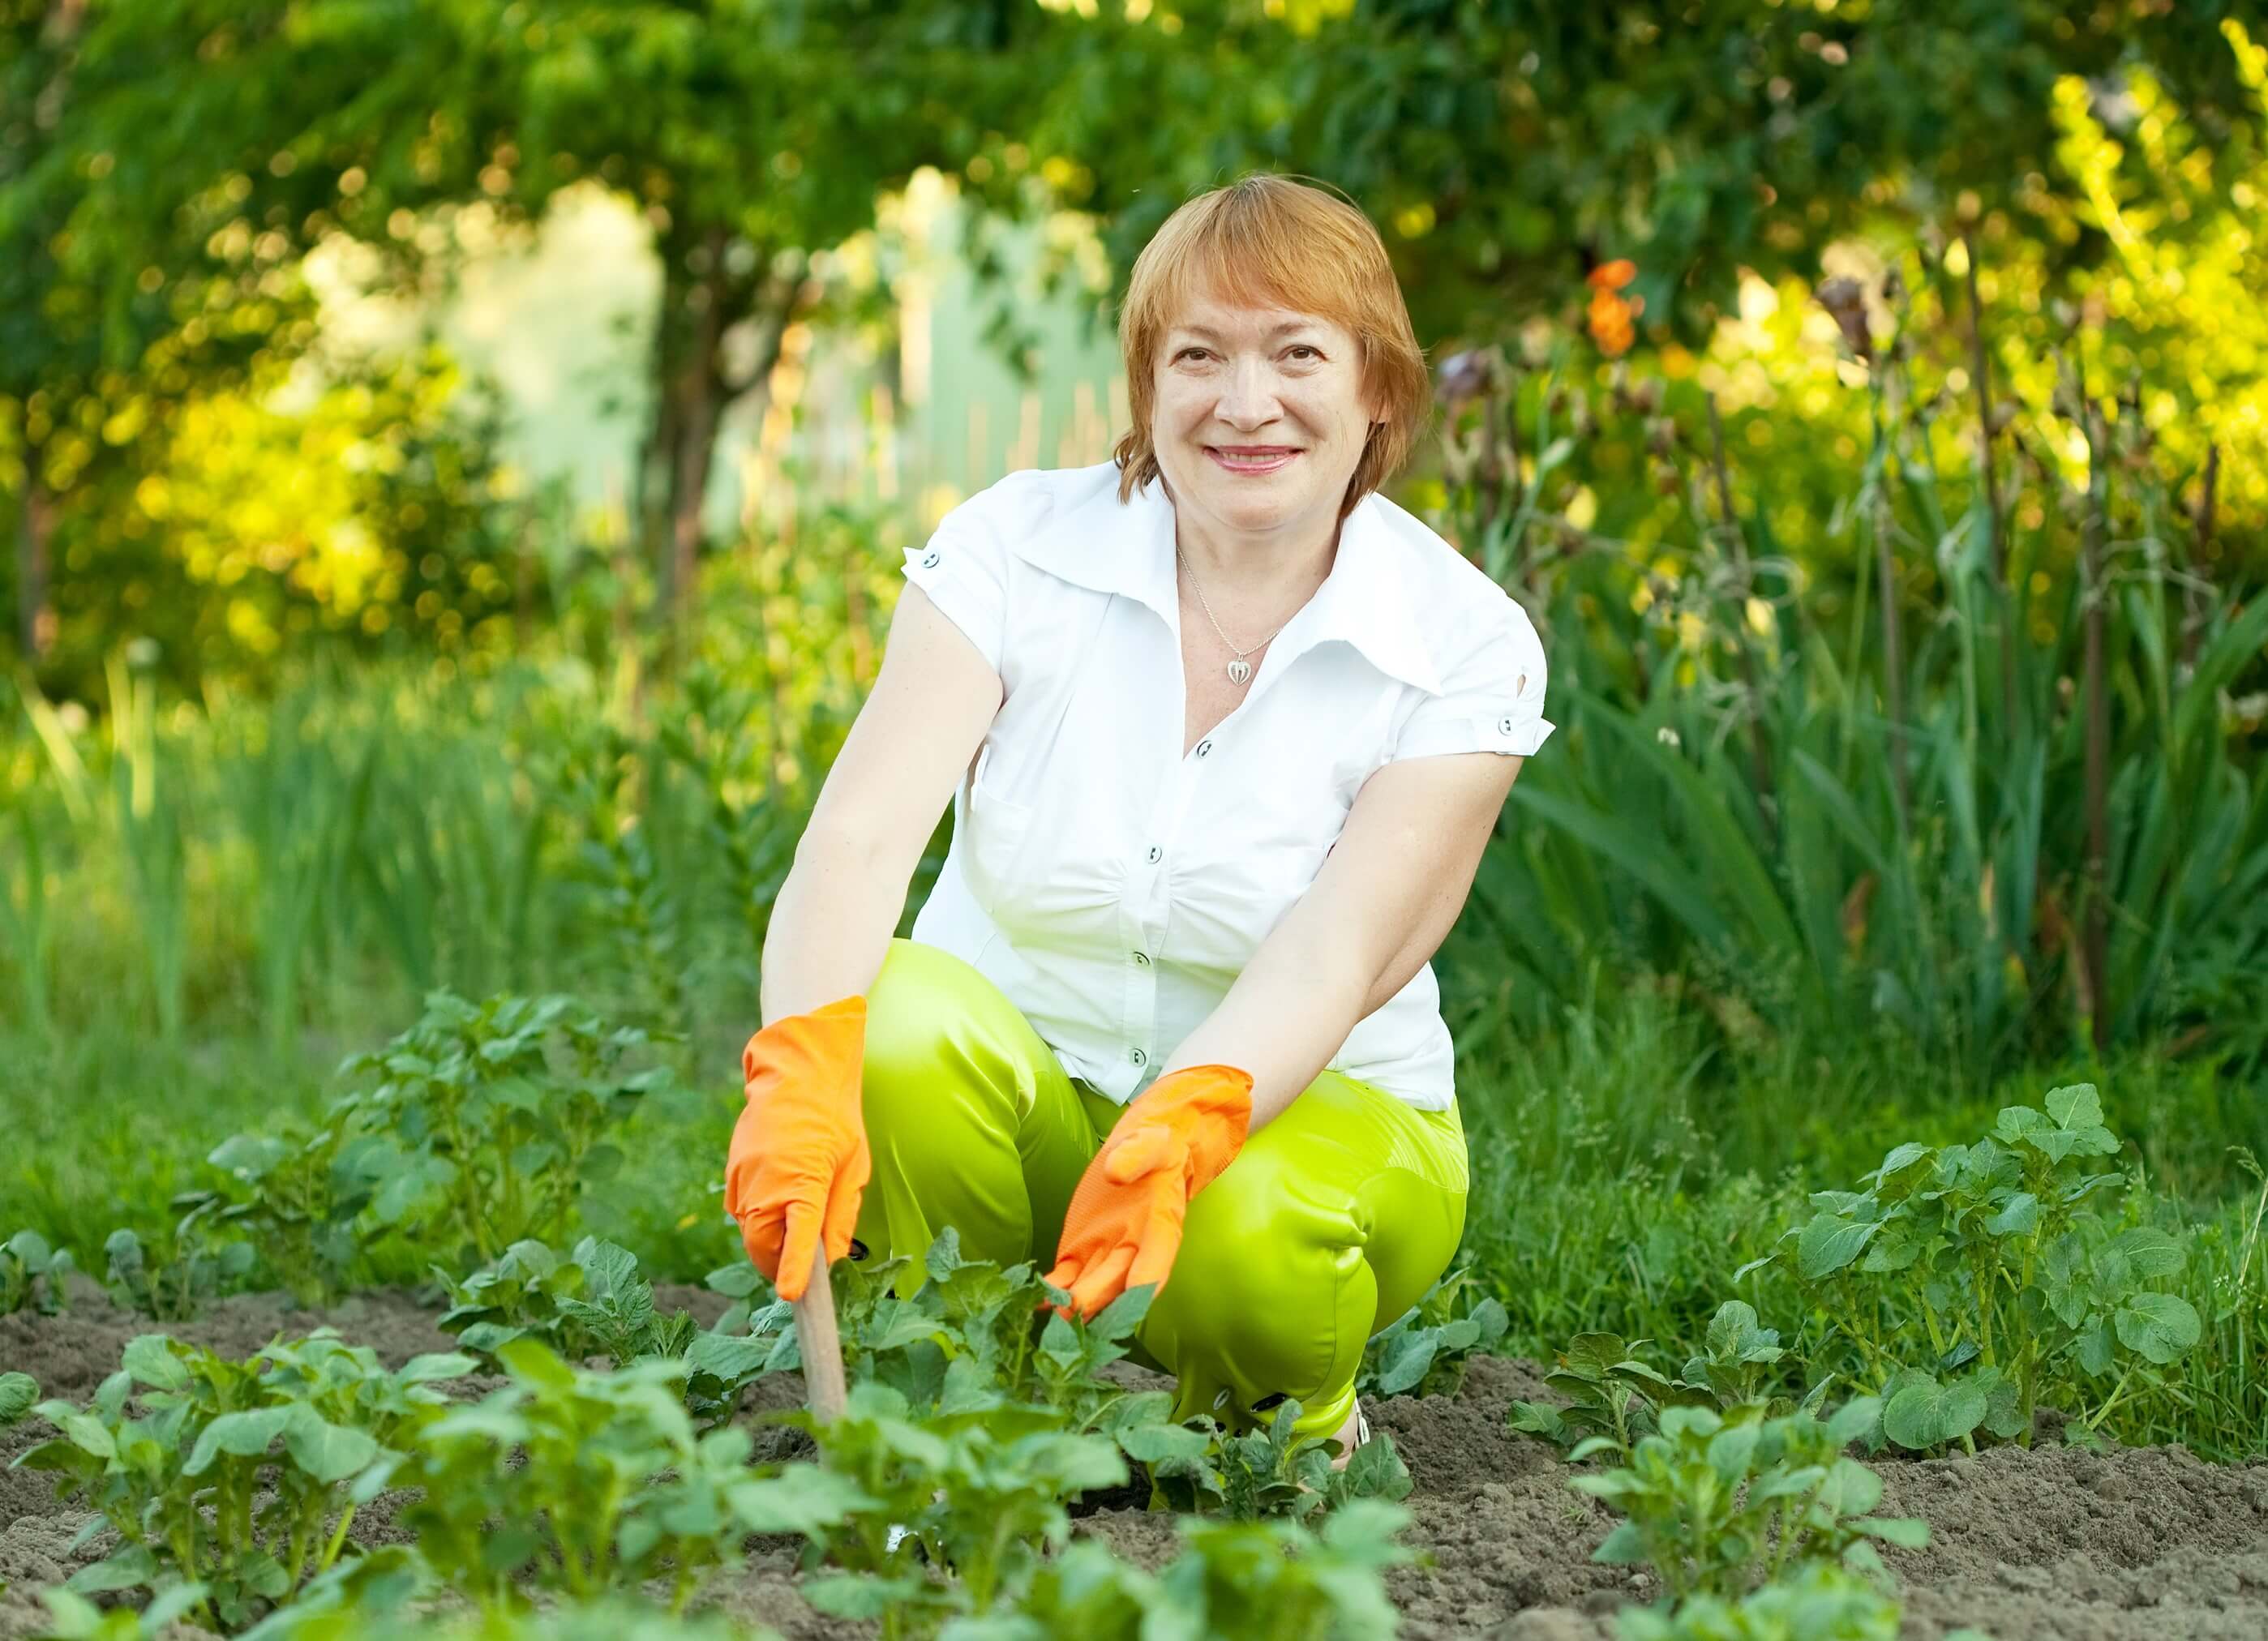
(821, 1345)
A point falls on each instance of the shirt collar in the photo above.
(1127, 548)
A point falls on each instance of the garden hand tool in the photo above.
(1124, 1223)
(796, 1168)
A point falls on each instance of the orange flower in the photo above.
(1612, 276)
(1610, 322)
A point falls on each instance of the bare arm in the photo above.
(1380, 907)
(907, 750)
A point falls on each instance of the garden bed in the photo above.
(2050, 1541)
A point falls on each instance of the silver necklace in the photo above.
(1240, 670)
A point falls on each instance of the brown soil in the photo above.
(2025, 1544)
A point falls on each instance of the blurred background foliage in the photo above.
(1868, 399)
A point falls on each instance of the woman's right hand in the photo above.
(798, 1162)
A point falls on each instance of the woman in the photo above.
(1225, 732)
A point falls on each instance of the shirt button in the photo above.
(1136, 1056)
(1142, 960)
(1504, 726)
(930, 561)
(1156, 855)
(1204, 746)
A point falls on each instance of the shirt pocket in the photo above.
(998, 829)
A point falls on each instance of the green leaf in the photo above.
(1730, 1327)
(1829, 1243)
(150, 1359)
(1164, 1444)
(1123, 1315)
(1853, 1419)
(1593, 1354)
(537, 1363)
(1925, 1414)
(2019, 1217)
(1731, 1449)
(2077, 1107)
(245, 1435)
(129, 1569)
(1621, 1548)
(1534, 1418)
(18, 1394)
(851, 1595)
(83, 1431)
(2158, 1327)
(327, 1452)
(1412, 1355)
(2095, 1347)
(424, 1370)
(1903, 1531)
(806, 1500)
(739, 1280)
(2150, 1252)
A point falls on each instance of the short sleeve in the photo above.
(963, 568)
(1492, 696)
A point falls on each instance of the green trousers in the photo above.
(1331, 1222)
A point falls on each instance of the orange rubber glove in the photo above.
(799, 1159)
(1123, 1226)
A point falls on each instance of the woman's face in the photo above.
(1260, 416)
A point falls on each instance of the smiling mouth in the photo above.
(1262, 459)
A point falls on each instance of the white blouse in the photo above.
(1113, 887)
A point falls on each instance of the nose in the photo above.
(1247, 399)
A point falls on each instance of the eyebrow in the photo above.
(1213, 336)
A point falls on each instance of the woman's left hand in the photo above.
(1123, 1226)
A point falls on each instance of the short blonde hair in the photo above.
(1271, 241)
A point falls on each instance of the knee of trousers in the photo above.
(949, 1081)
(1270, 1295)
(916, 1068)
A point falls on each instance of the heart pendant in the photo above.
(1238, 670)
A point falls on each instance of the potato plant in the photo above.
(72, 1617)
(1999, 1256)
(1614, 1398)
(486, 1119)
(1280, 1579)
(19, 1392)
(592, 1483)
(1258, 1579)
(1423, 1351)
(1821, 1602)
(614, 1618)
(1271, 1471)
(592, 1301)
(172, 1281)
(243, 1477)
(1713, 1504)
(292, 1198)
(32, 1273)
(978, 1492)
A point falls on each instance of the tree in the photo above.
(93, 348)
(753, 134)
(1507, 147)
